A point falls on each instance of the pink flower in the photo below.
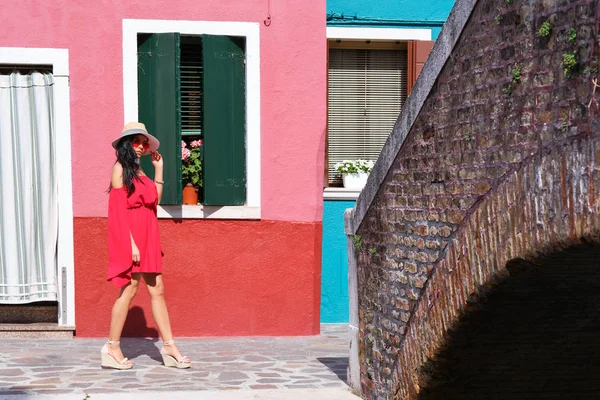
(185, 153)
(196, 143)
(183, 144)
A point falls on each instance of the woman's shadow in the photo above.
(139, 338)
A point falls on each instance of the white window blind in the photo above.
(367, 89)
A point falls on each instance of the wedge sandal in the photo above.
(107, 361)
(170, 361)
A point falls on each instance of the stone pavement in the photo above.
(257, 367)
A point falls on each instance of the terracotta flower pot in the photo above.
(190, 195)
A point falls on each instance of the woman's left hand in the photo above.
(157, 159)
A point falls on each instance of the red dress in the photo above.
(135, 214)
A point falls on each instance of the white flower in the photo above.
(354, 166)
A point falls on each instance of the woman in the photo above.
(134, 242)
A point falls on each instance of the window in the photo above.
(199, 80)
(367, 88)
(371, 72)
(193, 88)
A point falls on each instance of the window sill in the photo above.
(208, 212)
(338, 193)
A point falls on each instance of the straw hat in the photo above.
(137, 128)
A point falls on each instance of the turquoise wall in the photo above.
(363, 14)
(389, 13)
(334, 275)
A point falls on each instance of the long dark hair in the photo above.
(129, 161)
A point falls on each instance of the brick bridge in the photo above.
(474, 269)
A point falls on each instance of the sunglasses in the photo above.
(137, 142)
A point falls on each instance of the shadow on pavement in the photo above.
(135, 347)
(338, 365)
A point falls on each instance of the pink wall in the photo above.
(293, 88)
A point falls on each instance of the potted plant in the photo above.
(191, 170)
(354, 172)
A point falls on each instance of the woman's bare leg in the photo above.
(156, 289)
(119, 315)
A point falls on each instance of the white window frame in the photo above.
(373, 34)
(376, 34)
(59, 60)
(249, 30)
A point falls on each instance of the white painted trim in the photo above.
(209, 212)
(249, 30)
(65, 203)
(379, 33)
(337, 193)
(59, 59)
(353, 336)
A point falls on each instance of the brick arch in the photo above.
(547, 205)
(480, 169)
(530, 335)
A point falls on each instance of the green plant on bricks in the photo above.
(516, 75)
(572, 35)
(357, 242)
(508, 89)
(569, 63)
(515, 78)
(545, 29)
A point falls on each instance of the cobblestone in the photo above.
(68, 366)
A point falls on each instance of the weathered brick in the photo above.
(545, 116)
(421, 230)
(413, 294)
(420, 281)
(455, 217)
(402, 304)
(433, 244)
(466, 165)
(411, 267)
(482, 188)
(422, 257)
(404, 316)
(445, 231)
(433, 216)
(544, 78)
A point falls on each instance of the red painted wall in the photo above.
(222, 278)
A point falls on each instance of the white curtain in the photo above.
(28, 189)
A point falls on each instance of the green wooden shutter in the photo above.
(224, 121)
(159, 104)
